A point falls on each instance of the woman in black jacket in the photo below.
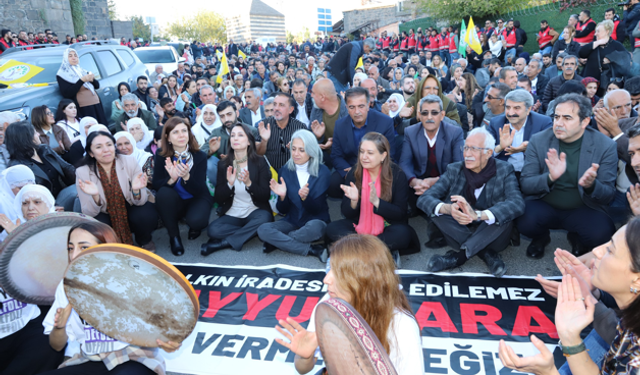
(596, 52)
(566, 44)
(179, 177)
(375, 199)
(50, 169)
(242, 192)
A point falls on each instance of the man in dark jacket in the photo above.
(132, 109)
(342, 66)
(232, 48)
(569, 65)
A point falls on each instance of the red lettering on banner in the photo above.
(523, 327)
(442, 319)
(215, 303)
(470, 319)
(197, 293)
(305, 313)
(255, 305)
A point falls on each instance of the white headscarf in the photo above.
(199, 129)
(400, 99)
(140, 155)
(18, 175)
(33, 191)
(72, 73)
(97, 127)
(83, 136)
(146, 138)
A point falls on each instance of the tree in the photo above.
(113, 11)
(300, 37)
(205, 26)
(140, 29)
(454, 11)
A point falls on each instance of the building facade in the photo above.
(258, 22)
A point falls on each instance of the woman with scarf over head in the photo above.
(126, 145)
(140, 132)
(31, 201)
(80, 86)
(112, 189)
(12, 180)
(205, 123)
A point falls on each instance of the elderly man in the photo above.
(569, 66)
(370, 85)
(132, 109)
(428, 147)
(253, 112)
(348, 132)
(341, 68)
(568, 180)
(474, 204)
(374, 74)
(538, 80)
(154, 76)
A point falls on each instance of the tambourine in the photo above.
(131, 295)
(347, 343)
(34, 257)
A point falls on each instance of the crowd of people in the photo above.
(486, 148)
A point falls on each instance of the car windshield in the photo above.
(50, 63)
(149, 56)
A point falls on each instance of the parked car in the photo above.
(167, 56)
(110, 63)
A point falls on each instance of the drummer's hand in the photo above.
(301, 341)
(59, 209)
(62, 315)
(169, 346)
(7, 224)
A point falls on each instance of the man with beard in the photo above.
(509, 35)
(23, 39)
(546, 37)
(168, 110)
(5, 40)
(253, 112)
(141, 92)
(132, 109)
(618, 32)
(217, 145)
(569, 66)
(276, 131)
(408, 87)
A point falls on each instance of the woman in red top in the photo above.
(412, 42)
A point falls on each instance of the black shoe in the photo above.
(396, 258)
(176, 246)
(577, 248)
(320, 252)
(436, 243)
(193, 234)
(268, 248)
(494, 262)
(535, 249)
(443, 262)
(515, 237)
(212, 246)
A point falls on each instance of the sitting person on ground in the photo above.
(113, 189)
(474, 204)
(126, 145)
(31, 202)
(373, 289)
(302, 198)
(140, 132)
(375, 199)
(242, 193)
(133, 108)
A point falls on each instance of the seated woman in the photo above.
(242, 192)
(50, 134)
(375, 199)
(616, 271)
(373, 289)
(125, 143)
(180, 178)
(50, 170)
(206, 122)
(12, 180)
(67, 118)
(31, 202)
(185, 99)
(112, 189)
(66, 329)
(302, 193)
(140, 132)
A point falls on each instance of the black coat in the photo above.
(596, 56)
(259, 174)
(70, 91)
(66, 172)
(197, 184)
(561, 45)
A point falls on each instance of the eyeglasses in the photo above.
(433, 113)
(473, 149)
(492, 98)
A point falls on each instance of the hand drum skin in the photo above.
(347, 343)
(131, 295)
(34, 256)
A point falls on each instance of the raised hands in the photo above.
(88, 187)
(589, 176)
(406, 111)
(373, 194)
(301, 342)
(7, 224)
(557, 165)
(514, 150)
(231, 175)
(574, 312)
(506, 136)
(279, 189)
(265, 131)
(327, 145)
(214, 144)
(139, 182)
(304, 192)
(541, 363)
(318, 128)
(350, 191)
(633, 196)
(243, 176)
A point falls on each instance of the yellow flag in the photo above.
(224, 68)
(241, 54)
(360, 63)
(14, 71)
(472, 37)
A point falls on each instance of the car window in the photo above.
(151, 56)
(110, 63)
(88, 63)
(126, 56)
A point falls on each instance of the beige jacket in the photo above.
(127, 169)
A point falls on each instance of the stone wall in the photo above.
(376, 17)
(96, 15)
(37, 15)
(121, 29)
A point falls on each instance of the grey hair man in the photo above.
(153, 77)
(253, 112)
(133, 108)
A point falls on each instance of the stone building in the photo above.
(377, 16)
(258, 22)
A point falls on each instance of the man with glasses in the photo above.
(568, 180)
(569, 66)
(474, 204)
(494, 101)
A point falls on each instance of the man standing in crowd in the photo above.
(585, 28)
(303, 101)
(5, 41)
(538, 80)
(342, 65)
(568, 180)
(631, 17)
(329, 107)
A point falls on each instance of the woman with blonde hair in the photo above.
(374, 290)
(600, 51)
(282, 84)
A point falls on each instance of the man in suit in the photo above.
(428, 147)
(253, 112)
(348, 132)
(474, 204)
(568, 180)
(303, 101)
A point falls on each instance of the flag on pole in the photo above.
(224, 68)
(462, 45)
(472, 38)
(360, 64)
(241, 54)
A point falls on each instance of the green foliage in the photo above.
(77, 16)
(140, 29)
(113, 11)
(300, 37)
(205, 26)
(455, 10)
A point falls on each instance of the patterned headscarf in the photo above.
(72, 73)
